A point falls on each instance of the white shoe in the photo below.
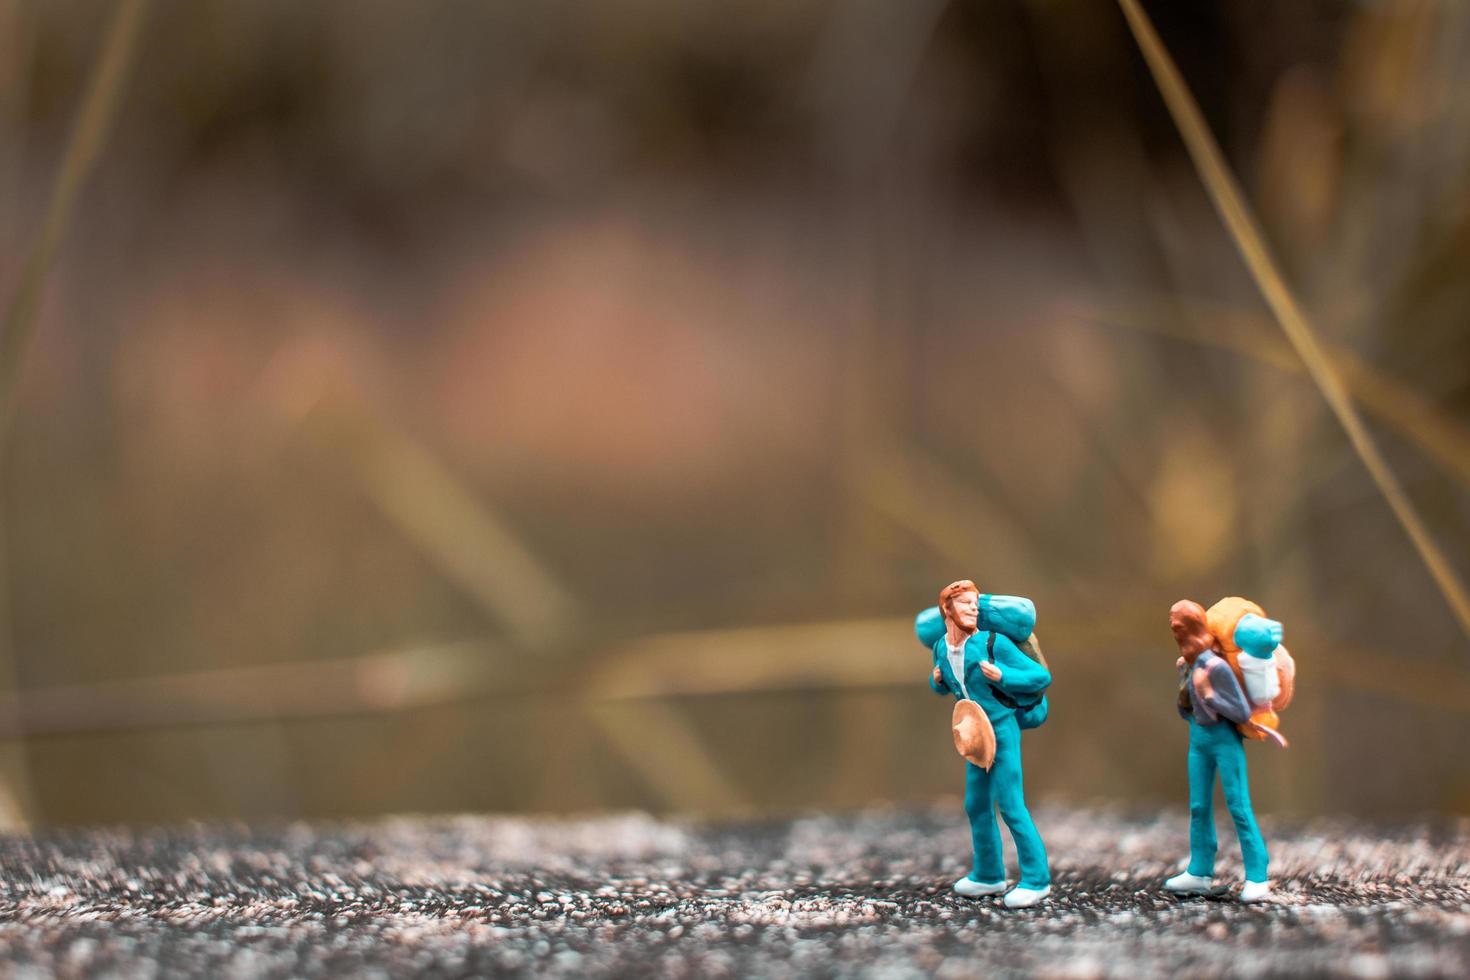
(1024, 898)
(970, 888)
(1188, 884)
(1255, 891)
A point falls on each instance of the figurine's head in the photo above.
(960, 604)
(1191, 631)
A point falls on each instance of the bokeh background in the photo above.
(561, 406)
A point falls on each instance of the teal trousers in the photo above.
(1218, 748)
(1003, 786)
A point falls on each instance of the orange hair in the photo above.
(1192, 615)
(950, 591)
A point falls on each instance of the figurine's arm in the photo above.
(1182, 702)
(929, 628)
(1019, 674)
(1224, 695)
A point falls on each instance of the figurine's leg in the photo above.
(1007, 785)
(1202, 842)
(1236, 781)
(989, 864)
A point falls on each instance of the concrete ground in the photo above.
(861, 895)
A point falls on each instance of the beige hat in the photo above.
(974, 738)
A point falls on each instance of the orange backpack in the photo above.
(1222, 619)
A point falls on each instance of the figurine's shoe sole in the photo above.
(1188, 884)
(1214, 891)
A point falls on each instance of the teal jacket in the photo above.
(1021, 677)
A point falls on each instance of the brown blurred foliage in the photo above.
(443, 405)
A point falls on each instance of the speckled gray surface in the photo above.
(864, 895)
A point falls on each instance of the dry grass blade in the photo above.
(93, 122)
(459, 531)
(451, 525)
(916, 491)
(836, 657)
(1413, 417)
(396, 680)
(852, 653)
(1244, 230)
(657, 741)
(87, 136)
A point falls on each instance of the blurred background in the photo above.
(443, 406)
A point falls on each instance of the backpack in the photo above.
(1224, 620)
(1030, 712)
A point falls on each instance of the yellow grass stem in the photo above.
(834, 657)
(656, 740)
(87, 136)
(453, 526)
(1411, 416)
(1230, 202)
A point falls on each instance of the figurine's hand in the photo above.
(1202, 683)
(938, 676)
(1179, 663)
(991, 671)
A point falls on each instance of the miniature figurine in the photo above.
(986, 656)
(1214, 704)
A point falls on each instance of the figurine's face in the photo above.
(1191, 632)
(964, 609)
